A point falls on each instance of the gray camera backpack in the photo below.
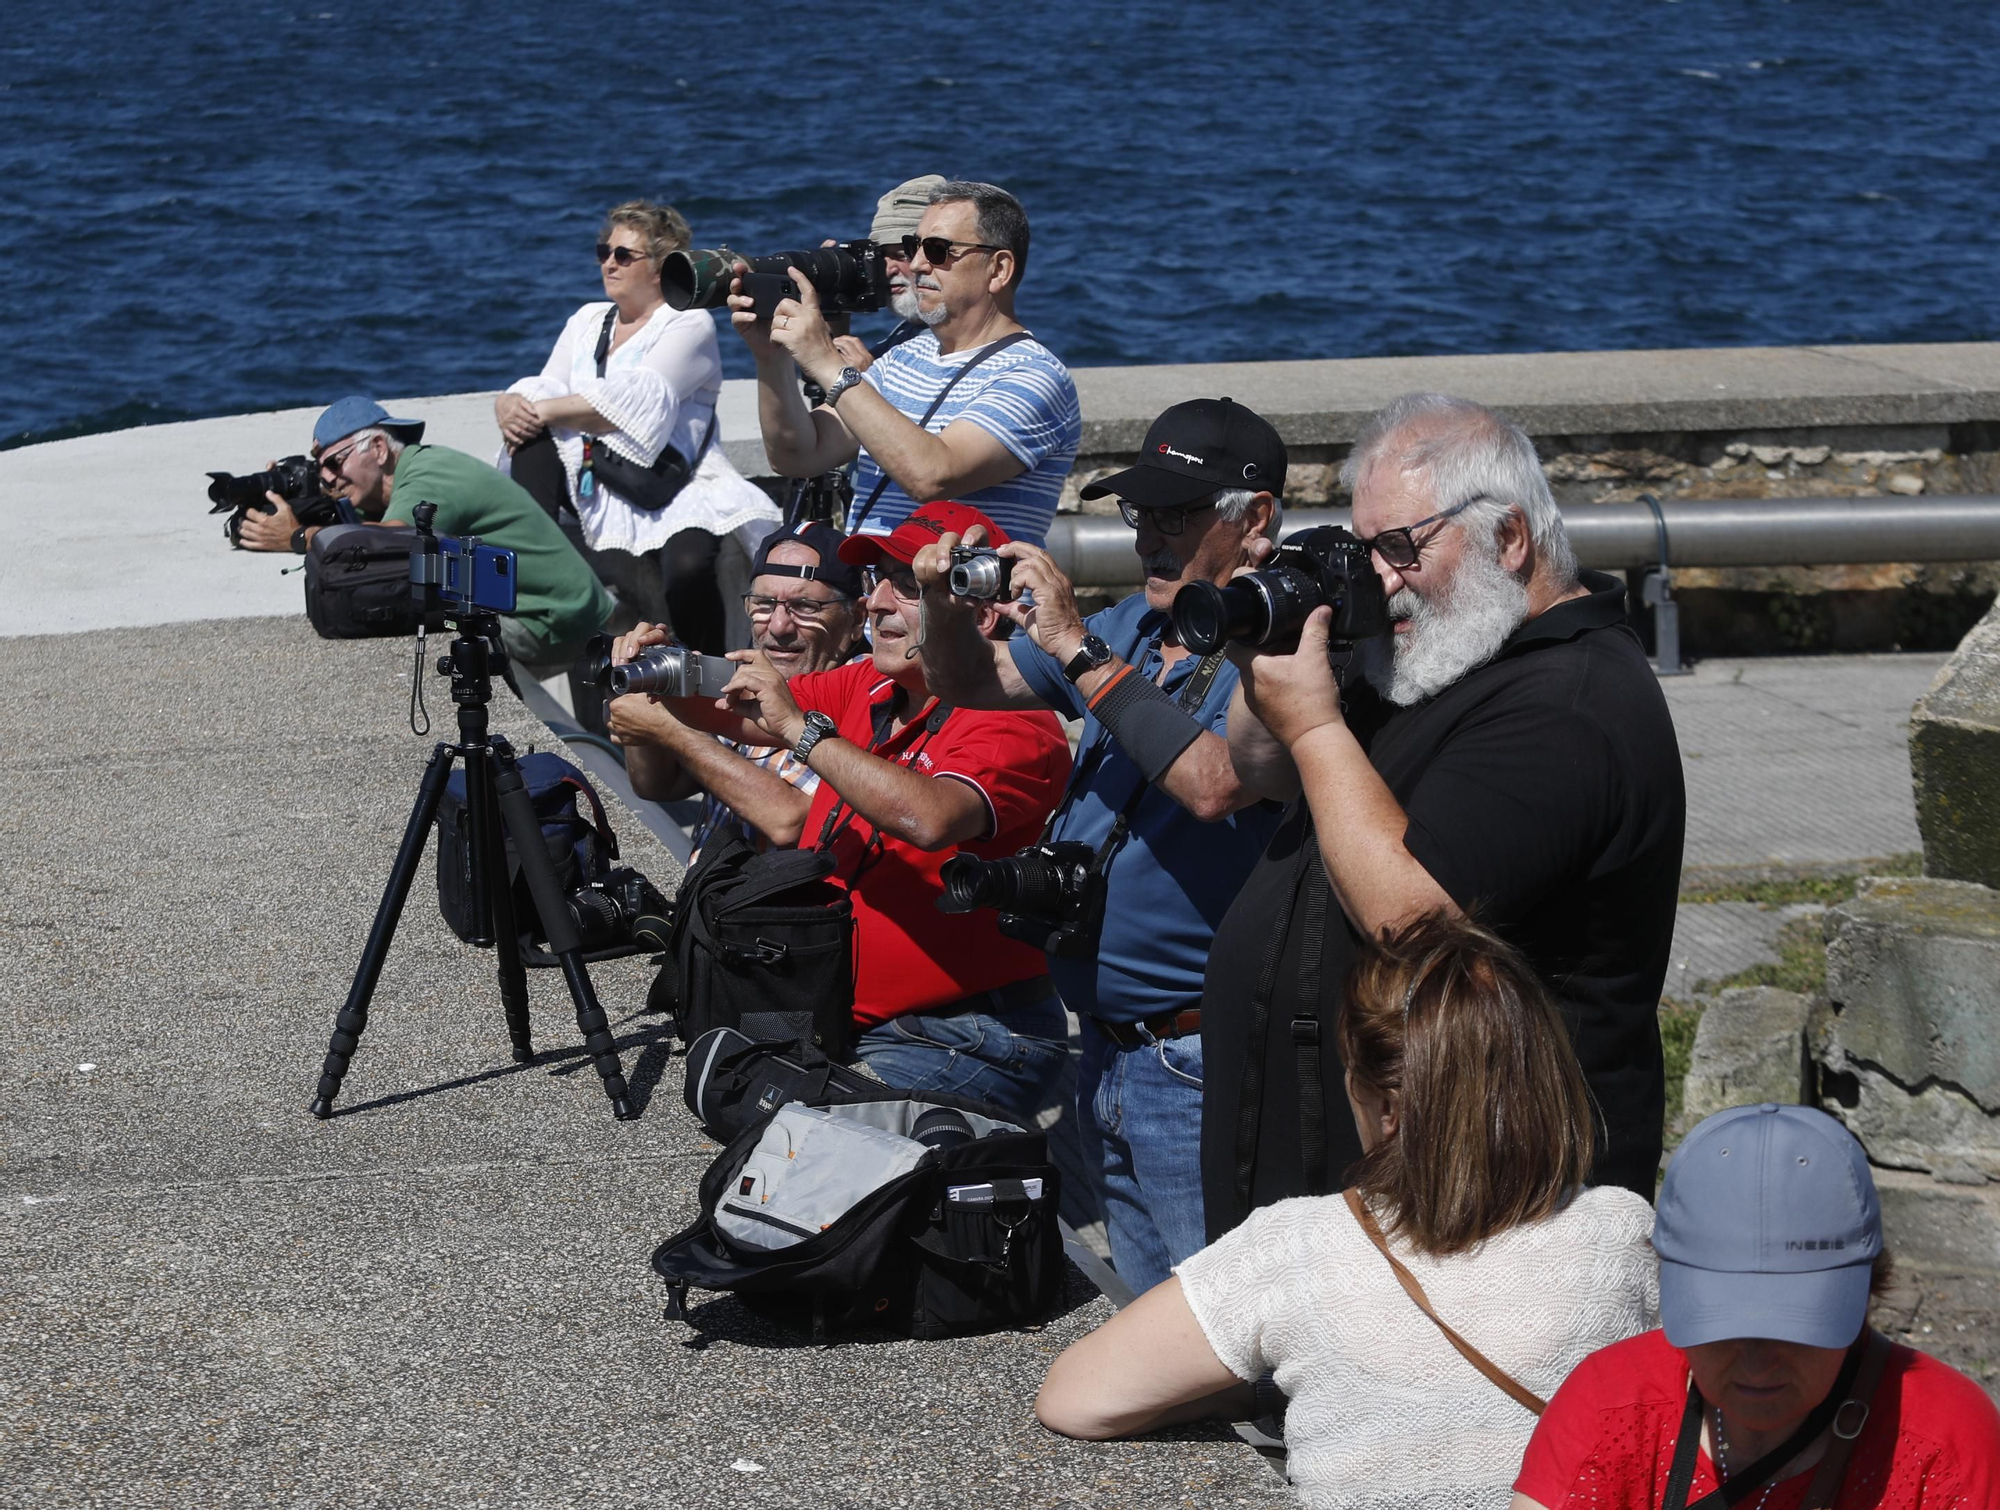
(917, 1212)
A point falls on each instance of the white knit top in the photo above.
(1384, 1412)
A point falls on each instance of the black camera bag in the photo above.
(906, 1257)
(649, 488)
(358, 582)
(764, 943)
(733, 1080)
(581, 846)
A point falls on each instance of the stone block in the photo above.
(1749, 1048)
(1946, 1229)
(1955, 760)
(1909, 1046)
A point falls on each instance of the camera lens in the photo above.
(1206, 616)
(980, 577)
(941, 1128)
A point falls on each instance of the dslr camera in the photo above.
(623, 909)
(662, 670)
(850, 278)
(979, 571)
(295, 479)
(1270, 606)
(1049, 895)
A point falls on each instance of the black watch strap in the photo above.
(299, 541)
(1091, 654)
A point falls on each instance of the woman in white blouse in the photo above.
(1478, 1135)
(635, 378)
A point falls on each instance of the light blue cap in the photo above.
(1767, 1225)
(357, 412)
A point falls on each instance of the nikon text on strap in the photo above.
(992, 349)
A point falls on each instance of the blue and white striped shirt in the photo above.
(1023, 397)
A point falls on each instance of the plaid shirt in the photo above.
(718, 818)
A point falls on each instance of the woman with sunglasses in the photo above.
(617, 438)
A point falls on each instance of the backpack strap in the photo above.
(1848, 1421)
(1514, 1390)
(598, 820)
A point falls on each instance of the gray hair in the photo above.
(1001, 220)
(1465, 450)
(395, 446)
(1233, 503)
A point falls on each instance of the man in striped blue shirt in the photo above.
(1006, 433)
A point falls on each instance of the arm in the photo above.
(1360, 825)
(515, 409)
(667, 759)
(1148, 1366)
(1262, 764)
(642, 399)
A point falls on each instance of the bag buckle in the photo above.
(766, 952)
(676, 1309)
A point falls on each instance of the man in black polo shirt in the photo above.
(1514, 760)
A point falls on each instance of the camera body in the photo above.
(979, 571)
(624, 908)
(1269, 606)
(850, 277)
(295, 479)
(1048, 895)
(452, 577)
(670, 671)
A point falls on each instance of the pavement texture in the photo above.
(442, 1295)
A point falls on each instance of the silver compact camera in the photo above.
(979, 571)
(670, 671)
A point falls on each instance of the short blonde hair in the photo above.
(660, 224)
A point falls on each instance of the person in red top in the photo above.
(1765, 1376)
(944, 1001)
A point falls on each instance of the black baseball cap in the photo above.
(843, 577)
(1195, 449)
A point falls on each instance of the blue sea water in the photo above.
(211, 207)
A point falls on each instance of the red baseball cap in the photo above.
(922, 528)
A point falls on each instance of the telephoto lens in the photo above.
(941, 1128)
(980, 572)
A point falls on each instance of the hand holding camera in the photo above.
(1021, 580)
(794, 325)
(758, 692)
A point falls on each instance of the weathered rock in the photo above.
(1909, 1048)
(1944, 1228)
(1955, 760)
(1750, 1047)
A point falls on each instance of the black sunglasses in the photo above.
(1168, 521)
(624, 256)
(1401, 549)
(942, 251)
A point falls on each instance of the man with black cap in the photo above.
(804, 606)
(1154, 791)
(377, 462)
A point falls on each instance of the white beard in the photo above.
(1484, 604)
(903, 303)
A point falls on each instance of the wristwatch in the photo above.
(299, 541)
(1091, 654)
(818, 726)
(849, 376)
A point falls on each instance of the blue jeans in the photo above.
(1138, 1117)
(1009, 1058)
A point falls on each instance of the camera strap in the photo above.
(992, 349)
(840, 815)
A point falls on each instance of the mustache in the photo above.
(924, 280)
(1160, 564)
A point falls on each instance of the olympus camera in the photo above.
(295, 479)
(1270, 606)
(1048, 895)
(981, 572)
(850, 278)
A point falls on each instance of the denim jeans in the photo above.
(1138, 1115)
(1009, 1058)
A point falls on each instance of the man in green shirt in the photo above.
(379, 465)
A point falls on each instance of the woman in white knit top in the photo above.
(1477, 1132)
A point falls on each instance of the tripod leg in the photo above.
(489, 853)
(353, 1017)
(519, 815)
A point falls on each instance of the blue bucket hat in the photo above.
(356, 412)
(1767, 1225)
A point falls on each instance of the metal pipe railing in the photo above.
(1097, 551)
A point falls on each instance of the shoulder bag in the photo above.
(649, 488)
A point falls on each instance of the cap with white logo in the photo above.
(1196, 449)
(1767, 1225)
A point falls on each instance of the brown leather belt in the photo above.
(1132, 1035)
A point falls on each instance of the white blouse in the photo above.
(659, 389)
(1384, 1412)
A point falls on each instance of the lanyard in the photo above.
(840, 815)
(1741, 1486)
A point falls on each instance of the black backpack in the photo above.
(732, 1080)
(358, 582)
(964, 1240)
(763, 943)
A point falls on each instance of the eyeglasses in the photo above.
(1401, 549)
(902, 581)
(1166, 521)
(624, 256)
(332, 463)
(942, 251)
(812, 610)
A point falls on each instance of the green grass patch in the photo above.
(1677, 1025)
(1829, 891)
(1800, 965)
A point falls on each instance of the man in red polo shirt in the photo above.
(944, 1001)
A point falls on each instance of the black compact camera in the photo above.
(979, 571)
(295, 479)
(1270, 606)
(624, 908)
(1049, 895)
(850, 278)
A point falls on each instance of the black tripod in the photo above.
(494, 794)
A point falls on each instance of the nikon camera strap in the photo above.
(992, 349)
